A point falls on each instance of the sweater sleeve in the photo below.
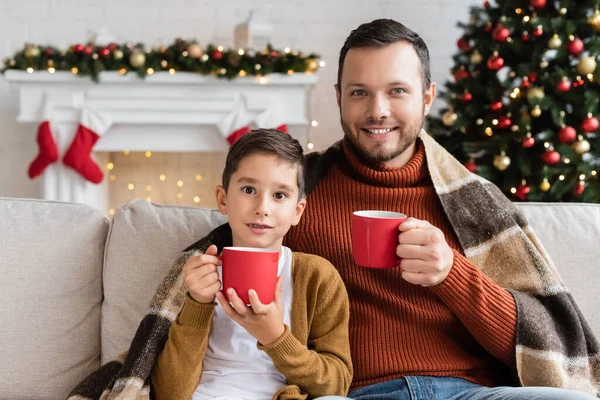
(178, 370)
(487, 310)
(323, 366)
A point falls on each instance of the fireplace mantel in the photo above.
(161, 113)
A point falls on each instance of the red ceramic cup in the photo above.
(375, 238)
(246, 268)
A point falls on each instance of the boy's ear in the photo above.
(299, 210)
(338, 94)
(221, 199)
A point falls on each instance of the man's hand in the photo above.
(426, 257)
(201, 277)
(263, 321)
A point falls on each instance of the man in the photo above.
(438, 323)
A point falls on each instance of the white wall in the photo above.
(312, 26)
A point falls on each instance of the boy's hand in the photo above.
(263, 321)
(201, 277)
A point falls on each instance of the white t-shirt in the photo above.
(233, 367)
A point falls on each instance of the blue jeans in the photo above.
(436, 388)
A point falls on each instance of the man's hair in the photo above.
(383, 32)
(270, 142)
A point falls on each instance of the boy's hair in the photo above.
(383, 32)
(266, 141)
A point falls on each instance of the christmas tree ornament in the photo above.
(522, 191)
(461, 74)
(589, 124)
(567, 134)
(501, 162)
(575, 47)
(463, 44)
(594, 20)
(535, 94)
(32, 51)
(495, 62)
(466, 97)
(504, 122)
(312, 65)
(554, 42)
(581, 146)
(476, 57)
(234, 58)
(579, 188)
(486, 3)
(488, 27)
(545, 185)
(104, 52)
(525, 36)
(118, 54)
(471, 166)
(87, 50)
(550, 157)
(449, 118)
(587, 65)
(496, 106)
(78, 48)
(137, 59)
(500, 33)
(539, 31)
(537, 3)
(528, 142)
(536, 112)
(49, 52)
(564, 85)
(217, 55)
(195, 51)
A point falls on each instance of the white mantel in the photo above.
(163, 112)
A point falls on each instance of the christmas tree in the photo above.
(522, 108)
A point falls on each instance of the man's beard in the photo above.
(406, 137)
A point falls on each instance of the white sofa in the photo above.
(74, 286)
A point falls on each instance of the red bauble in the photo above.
(488, 27)
(461, 74)
(564, 85)
(87, 50)
(567, 135)
(274, 53)
(525, 36)
(522, 192)
(526, 84)
(49, 51)
(537, 32)
(532, 76)
(112, 46)
(590, 124)
(537, 3)
(495, 63)
(104, 52)
(486, 4)
(575, 47)
(78, 48)
(496, 106)
(471, 166)
(528, 142)
(504, 123)
(463, 44)
(500, 34)
(217, 55)
(550, 157)
(466, 97)
(579, 188)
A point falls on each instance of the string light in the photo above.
(526, 18)
(242, 73)
(290, 72)
(113, 178)
(131, 186)
(241, 52)
(122, 71)
(149, 188)
(148, 198)
(180, 195)
(546, 145)
(148, 154)
(111, 211)
(513, 190)
(220, 48)
(494, 122)
(314, 123)
(567, 160)
(52, 70)
(150, 71)
(30, 70)
(198, 178)
(518, 11)
(262, 80)
(180, 183)
(488, 131)
(561, 178)
(310, 145)
(162, 178)
(126, 152)
(322, 64)
(582, 177)
(74, 70)
(196, 199)
(593, 173)
(110, 166)
(287, 50)
(171, 71)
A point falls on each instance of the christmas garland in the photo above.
(181, 55)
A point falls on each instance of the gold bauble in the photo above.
(501, 162)
(32, 51)
(195, 51)
(449, 118)
(234, 59)
(117, 54)
(587, 65)
(137, 59)
(554, 42)
(476, 57)
(536, 111)
(594, 20)
(312, 65)
(545, 185)
(535, 93)
(581, 147)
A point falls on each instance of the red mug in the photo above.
(246, 268)
(375, 238)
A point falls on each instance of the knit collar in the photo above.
(413, 173)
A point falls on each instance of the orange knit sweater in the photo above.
(463, 327)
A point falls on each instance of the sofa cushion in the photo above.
(51, 279)
(569, 233)
(144, 241)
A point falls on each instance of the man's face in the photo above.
(381, 100)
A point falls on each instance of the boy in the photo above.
(297, 346)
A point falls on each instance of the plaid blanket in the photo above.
(554, 344)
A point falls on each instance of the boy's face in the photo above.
(261, 202)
